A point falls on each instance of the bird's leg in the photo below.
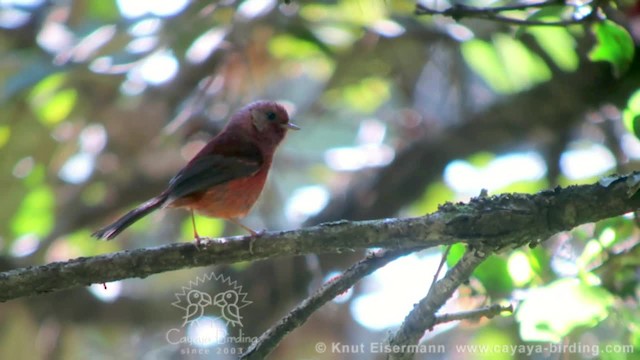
(254, 234)
(195, 231)
(250, 230)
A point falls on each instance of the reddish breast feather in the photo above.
(231, 200)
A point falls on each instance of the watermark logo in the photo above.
(194, 302)
(203, 314)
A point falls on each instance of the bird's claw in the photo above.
(198, 242)
(254, 236)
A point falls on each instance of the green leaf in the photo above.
(559, 44)
(631, 114)
(367, 95)
(291, 47)
(436, 194)
(5, 134)
(552, 312)
(614, 45)
(491, 338)
(35, 215)
(50, 101)
(493, 273)
(483, 58)
(520, 268)
(207, 227)
(103, 10)
(58, 107)
(523, 67)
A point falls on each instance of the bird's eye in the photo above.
(271, 115)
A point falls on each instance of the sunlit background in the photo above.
(103, 101)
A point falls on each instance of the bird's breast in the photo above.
(231, 200)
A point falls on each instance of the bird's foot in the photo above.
(254, 236)
(198, 242)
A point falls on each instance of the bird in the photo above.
(228, 303)
(197, 300)
(225, 178)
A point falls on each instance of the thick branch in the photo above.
(496, 222)
(498, 128)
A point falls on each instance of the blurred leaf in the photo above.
(524, 186)
(437, 193)
(492, 338)
(481, 159)
(47, 86)
(615, 46)
(105, 11)
(483, 58)
(51, 104)
(87, 246)
(35, 177)
(539, 260)
(290, 47)
(493, 273)
(607, 237)
(559, 44)
(455, 254)
(592, 250)
(207, 227)
(550, 13)
(5, 134)
(524, 68)
(519, 268)
(365, 96)
(506, 64)
(631, 114)
(58, 107)
(552, 312)
(622, 227)
(617, 352)
(35, 214)
(355, 12)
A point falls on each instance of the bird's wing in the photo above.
(207, 170)
(190, 313)
(232, 313)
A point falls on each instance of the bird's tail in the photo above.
(110, 231)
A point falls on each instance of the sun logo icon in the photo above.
(194, 301)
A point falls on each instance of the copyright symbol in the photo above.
(321, 347)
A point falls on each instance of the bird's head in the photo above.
(265, 121)
(197, 297)
(225, 298)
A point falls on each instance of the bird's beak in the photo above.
(206, 299)
(291, 126)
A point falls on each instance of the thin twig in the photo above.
(458, 12)
(423, 317)
(272, 337)
(488, 312)
(443, 259)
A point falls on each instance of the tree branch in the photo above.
(508, 220)
(422, 317)
(488, 312)
(299, 315)
(498, 128)
(459, 11)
